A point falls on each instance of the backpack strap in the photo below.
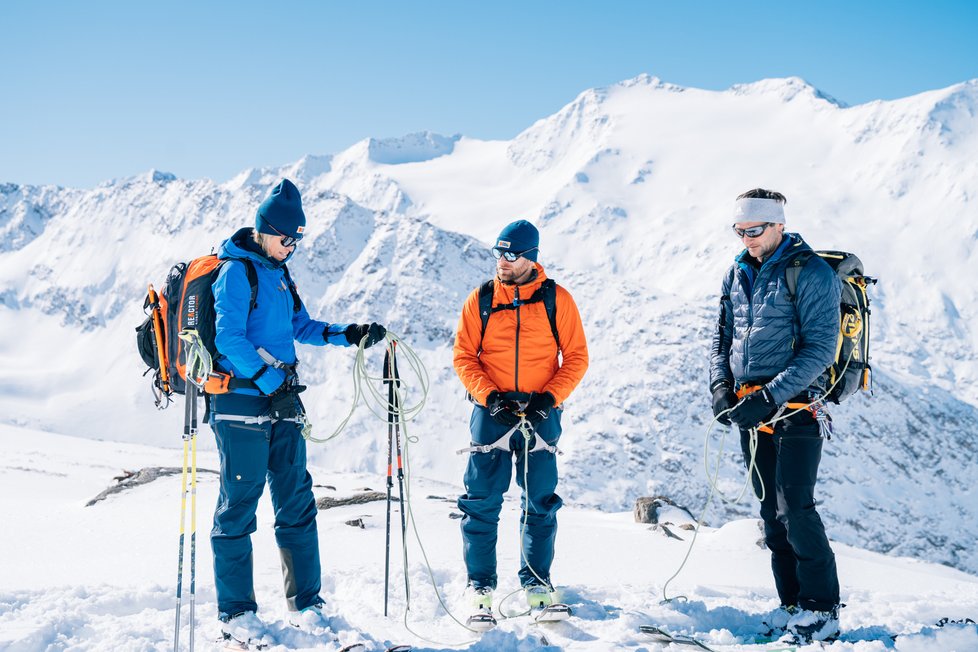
(549, 297)
(547, 293)
(252, 283)
(793, 271)
(296, 301)
(252, 274)
(485, 308)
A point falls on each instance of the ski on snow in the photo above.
(553, 613)
(660, 635)
(483, 621)
(234, 645)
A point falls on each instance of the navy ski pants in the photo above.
(803, 563)
(252, 454)
(487, 477)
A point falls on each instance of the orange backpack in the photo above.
(186, 303)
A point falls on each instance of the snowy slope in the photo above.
(631, 186)
(103, 577)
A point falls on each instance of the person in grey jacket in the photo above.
(769, 352)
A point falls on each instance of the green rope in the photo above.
(524, 427)
(365, 388)
(199, 361)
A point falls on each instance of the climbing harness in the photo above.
(538, 442)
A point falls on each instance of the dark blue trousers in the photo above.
(251, 455)
(803, 563)
(487, 477)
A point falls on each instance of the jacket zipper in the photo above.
(750, 317)
(516, 367)
(750, 322)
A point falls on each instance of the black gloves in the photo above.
(723, 399)
(285, 402)
(539, 407)
(753, 409)
(506, 411)
(502, 410)
(374, 333)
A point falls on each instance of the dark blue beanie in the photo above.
(281, 213)
(519, 236)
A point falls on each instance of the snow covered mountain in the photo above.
(632, 187)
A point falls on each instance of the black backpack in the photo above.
(547, 293)
(851, 370)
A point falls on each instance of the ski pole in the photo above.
(192, 392)
(396, 407)
(183, 520)
(390, 482)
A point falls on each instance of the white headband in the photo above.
(755, 209)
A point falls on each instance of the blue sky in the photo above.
(99, 90)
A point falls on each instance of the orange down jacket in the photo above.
(518, 351)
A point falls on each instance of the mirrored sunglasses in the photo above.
(752, 232)
(287, 240)
(511, 256)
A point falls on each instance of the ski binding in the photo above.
(552, 613)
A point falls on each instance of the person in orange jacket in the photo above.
(530, 357)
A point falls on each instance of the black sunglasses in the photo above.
(511, 256)
(287, 240)
(753, 231)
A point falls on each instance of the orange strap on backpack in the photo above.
(154, 303)
(744, 390)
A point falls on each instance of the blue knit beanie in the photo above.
(281, 213)
(519, 237)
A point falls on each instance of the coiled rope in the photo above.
(751, 468)
(365, 387)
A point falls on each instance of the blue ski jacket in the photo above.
(274, 324)
(764, 336)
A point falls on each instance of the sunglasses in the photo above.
(510, 256)
(752, 232)
(287, 240)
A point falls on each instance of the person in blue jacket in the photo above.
(258, 427)
(769, 352)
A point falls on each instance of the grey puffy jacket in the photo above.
(767, 337)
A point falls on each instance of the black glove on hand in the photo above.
(753, 409)
(502, 410)
(723, 399)
(373, 331)
(285, 402)
(539, 407)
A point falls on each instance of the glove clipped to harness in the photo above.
(373, 331)
(539, 407)
(285, 401)
(502, 410)
(753, 409)
(723, 399)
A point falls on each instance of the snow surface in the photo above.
(631, 186)
(103, 577)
